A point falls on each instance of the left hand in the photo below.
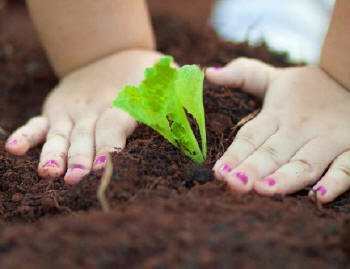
(302, 129)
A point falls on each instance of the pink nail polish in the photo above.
(270, 181)
(77, 166)
(101, 159)
(12, 142)
(225, 168)
(51, 163)
(242, 177)
(217, 68)
(322, 190)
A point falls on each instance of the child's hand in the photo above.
(304, 127)
(78, 122)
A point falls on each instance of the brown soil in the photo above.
(166, 211)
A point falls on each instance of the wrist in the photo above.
(77, 33)
(105, 58)
(122, 63)
(335, 60)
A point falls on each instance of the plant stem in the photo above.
(105, 180)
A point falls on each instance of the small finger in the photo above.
(29, 135)
(112, 129)
(53, 156)
(81, 151)
(335, 182)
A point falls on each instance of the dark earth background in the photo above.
(166, 212)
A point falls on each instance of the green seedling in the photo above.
(162, 100)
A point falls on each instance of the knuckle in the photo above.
(271, 152)
(108, 119)
(306, 165)
(109, 148)
(341, 136)
(342, 169)
(57, 134)
(82, 132)
(230, 157)
(246, 138)
(268, 150)
(78, 156)
(54, 154)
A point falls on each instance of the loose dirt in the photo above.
(166, 212)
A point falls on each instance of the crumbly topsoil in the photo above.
(166, 211)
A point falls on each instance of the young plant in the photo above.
(160, 102)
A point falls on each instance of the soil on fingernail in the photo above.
(166, 211)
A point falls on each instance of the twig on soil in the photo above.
(2, 131)
(221, 146)
(314, 196)
(155, 182)
(245, 120)
(105, 180)
(57, 205)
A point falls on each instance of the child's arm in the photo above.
(96, 47)
(303, 127)
(76, 33)
(335, 57)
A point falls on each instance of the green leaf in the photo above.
(189, 89)
(159, 102)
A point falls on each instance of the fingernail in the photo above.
(322, 190)
(51, 163)
(101, 159)
(225, 168)
(242, 177)
(77, 166)
(12, 142)
(270, 181)
(218, 68)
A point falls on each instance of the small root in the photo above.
(53, 195)
(155, 183)
(245, 119)
(315, 198)
(2, 131)
(105, 180)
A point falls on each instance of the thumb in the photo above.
(250, 75)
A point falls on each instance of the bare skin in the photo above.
(78, 122)
(303, 127)
(94, 56)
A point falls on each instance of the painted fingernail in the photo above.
(225, 168)
(322, 190)
(12, 142)
(270, 181)
(101, 159)
(51, 163)
(217, 68)
(76, 166)
(242, 177)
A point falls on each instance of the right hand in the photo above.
(78, 124)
